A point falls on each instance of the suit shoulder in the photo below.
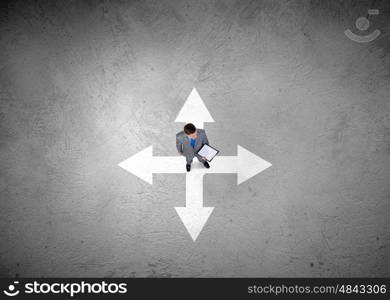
(179, 134)
(202, 131)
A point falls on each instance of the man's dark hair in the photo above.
(189, 128)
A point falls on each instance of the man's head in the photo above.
(190, 130)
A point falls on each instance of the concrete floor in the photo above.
(86, 84)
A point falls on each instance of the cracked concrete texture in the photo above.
(86, 84)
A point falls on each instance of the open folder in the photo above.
(208, 152)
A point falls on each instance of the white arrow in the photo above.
(144, 164)
(194, 111)
(194, 216)
(246, 164)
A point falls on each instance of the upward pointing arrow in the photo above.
(194, 111)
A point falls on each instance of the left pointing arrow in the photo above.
(144, 164)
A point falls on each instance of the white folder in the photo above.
(208, 152)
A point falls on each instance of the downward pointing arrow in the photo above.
(194, 216)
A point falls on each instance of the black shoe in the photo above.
(188, 167)
(206, 164)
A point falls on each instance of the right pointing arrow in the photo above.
(246, 164)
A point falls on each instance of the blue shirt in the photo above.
(192, 142)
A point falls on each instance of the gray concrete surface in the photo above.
(86, 84)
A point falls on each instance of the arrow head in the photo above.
(249, 164)
(194, 111)
(140, 164)
(194, 219)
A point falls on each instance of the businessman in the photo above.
(189, 141)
